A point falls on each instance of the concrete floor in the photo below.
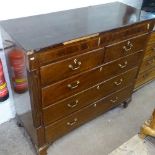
(98, 137)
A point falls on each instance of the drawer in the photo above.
(49, 55)
(145, 77)
(71, 122)
(87, 79)
(122, 34)
(76, 102)
(62, 69)
(147, 64)
(125, 48)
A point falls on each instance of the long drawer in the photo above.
(76, 102)
(83, 81)
(71, 122)
(62, 69)
(124, 48)
(145, 77)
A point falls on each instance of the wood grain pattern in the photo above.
(60, 70)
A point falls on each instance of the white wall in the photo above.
(19, 8)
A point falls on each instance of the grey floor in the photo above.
(98, 137)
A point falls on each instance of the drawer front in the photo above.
(62, 69)
(49, 55)
(83, 81)
(125, 48)
(71, 122)
(121, 34)
(76, 102)
(147, 64)
(145, 77)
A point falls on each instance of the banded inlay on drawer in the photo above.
(49, 55)
(74, 103)
(67, 124)
(83, 81)
(119, 35)
(62, 69)
(124, 48)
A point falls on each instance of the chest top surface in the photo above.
(40, 31)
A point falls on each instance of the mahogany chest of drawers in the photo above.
(79, 64)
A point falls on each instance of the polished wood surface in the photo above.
(78, 65)
(50, 54)
(71, 66)
(47, 30)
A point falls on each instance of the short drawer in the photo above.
(63, 126)
(125, 48)
(83, 81)
(147, 64)
(76, 102)
(145, 77)
(62, 51)
(62, 69)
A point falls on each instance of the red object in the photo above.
(4, 94)
(17, 62)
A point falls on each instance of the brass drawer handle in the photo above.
(76, 65)
(124, 65)
(72, 123)
(73, 85)
(118, 83)
(115, 100)
(73, 105)
(128, 47)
